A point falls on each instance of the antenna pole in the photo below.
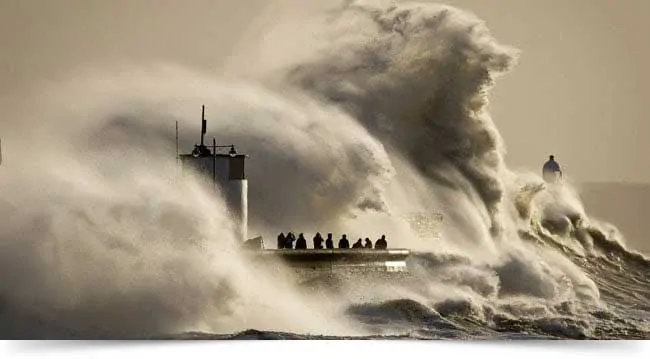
(177, 156)
(203, 124)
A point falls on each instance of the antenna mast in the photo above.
(177, 154)
(203, 124)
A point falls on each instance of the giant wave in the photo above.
(386, 116)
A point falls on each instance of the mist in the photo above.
(385, 116)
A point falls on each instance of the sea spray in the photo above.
(350, 139)
(101, 238)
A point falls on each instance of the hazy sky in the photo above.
(579, 90)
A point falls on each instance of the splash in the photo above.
(103, 239)
(388, 116)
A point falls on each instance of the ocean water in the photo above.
(383, 119)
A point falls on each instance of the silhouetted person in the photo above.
(288, 242)
(281, 241)
(357, 244)
(318, 241)
(329, 243)
(551, 170)
(368, 243)
(381, 243)
(301, 243)
(343, 242)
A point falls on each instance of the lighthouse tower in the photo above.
(222, 169)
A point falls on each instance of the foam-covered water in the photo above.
(384, 117)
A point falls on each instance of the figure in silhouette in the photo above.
(368, 243)
(329, 243)
(381, 243)
(343, 242)
(281, 241)
(357, 244)
(318, 241)
(551, 170)
(288, 242)
(301, 243)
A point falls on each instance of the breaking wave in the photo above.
(386, 117)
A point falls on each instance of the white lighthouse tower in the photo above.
(224, 172)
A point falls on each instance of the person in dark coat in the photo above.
(318, 241)
(329, 243)
(551, 170)
(381, 243)
(281, 241)
(288, 242)
(357, 244)
(301, 243)
(343, 242)
(368, 243)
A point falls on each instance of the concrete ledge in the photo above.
(334, 255)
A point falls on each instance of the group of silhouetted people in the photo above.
(287, 242)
